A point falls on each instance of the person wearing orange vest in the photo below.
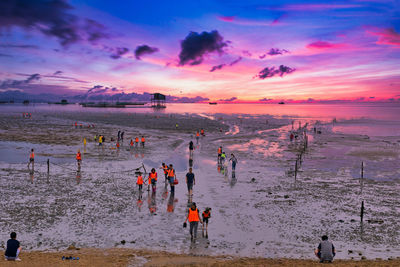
(219, 154)
(171, 178)
(202, 132)
(153, 179)
(197, 137)
(139, 181)
(79, 158)
(165, 169)
(131, 143)
(136, 141)
(118, 145)
(193, 217)
(143, 140)
(32, 159)
(206, 215)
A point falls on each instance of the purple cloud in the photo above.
(17, 84)
(271, 72)
(218, 67)
(229, 99)
(144, 50)
(195, 46)
(265, 99)
(274, 52)
(52, 18)
(118, 52)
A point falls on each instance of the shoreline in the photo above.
(133, 257)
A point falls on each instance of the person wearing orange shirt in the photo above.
(197, 137)
(171, 177)
(194, 218)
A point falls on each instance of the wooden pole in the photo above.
(48, 165)
(362, 211)
(295, 170)
(362, 170)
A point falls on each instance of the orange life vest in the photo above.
(131, 142)
(194, 215)
(143, 140)
(197, 134)
(78, 156)
(139, 180)
(32, 155)
(118, 144)
(206, 214)
(171, 173)
(137, 139)
(219, 150)
(202, 131)
(165, 168)
(152, 176)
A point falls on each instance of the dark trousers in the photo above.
(193, 229)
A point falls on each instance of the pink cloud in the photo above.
(324, 45)
(387, 36)
(226, 18)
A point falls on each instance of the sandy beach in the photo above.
(261, 214)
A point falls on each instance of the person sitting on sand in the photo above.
(325, 251)
(13, 248)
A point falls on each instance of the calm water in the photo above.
(378, 119)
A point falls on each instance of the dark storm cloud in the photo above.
(52, 18)
(144, 50)
(6, 84)
(118, 52)
(271, 72)
(274, 52)
(195, 46)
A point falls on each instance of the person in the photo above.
(206, 215)
(190, 181)
(165, 169)
(139, 181)
(13, 248)
(219, 154)
(100, 140)
(234, 161)
(136, 141)
(223, 157)
(291, 137)
(95, 138)
(119, 135)
(118, 145)
(143, 140)
(153, 179)
(122, 136)
(197, 137)
(171, 177)
(325, 251)
(84, 141)
(78, 158)
(193, 217)
(131, 144)
(32, 158)
(202, 132)
(191, 147)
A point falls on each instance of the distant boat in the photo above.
(212, 103)
(281, 103)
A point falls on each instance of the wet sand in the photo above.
(130, 258)
(261, 211)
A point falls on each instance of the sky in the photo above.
(209, 50)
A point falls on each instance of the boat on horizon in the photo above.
(212, 103)
(281, 103)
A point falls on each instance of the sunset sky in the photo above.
(229, 50)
